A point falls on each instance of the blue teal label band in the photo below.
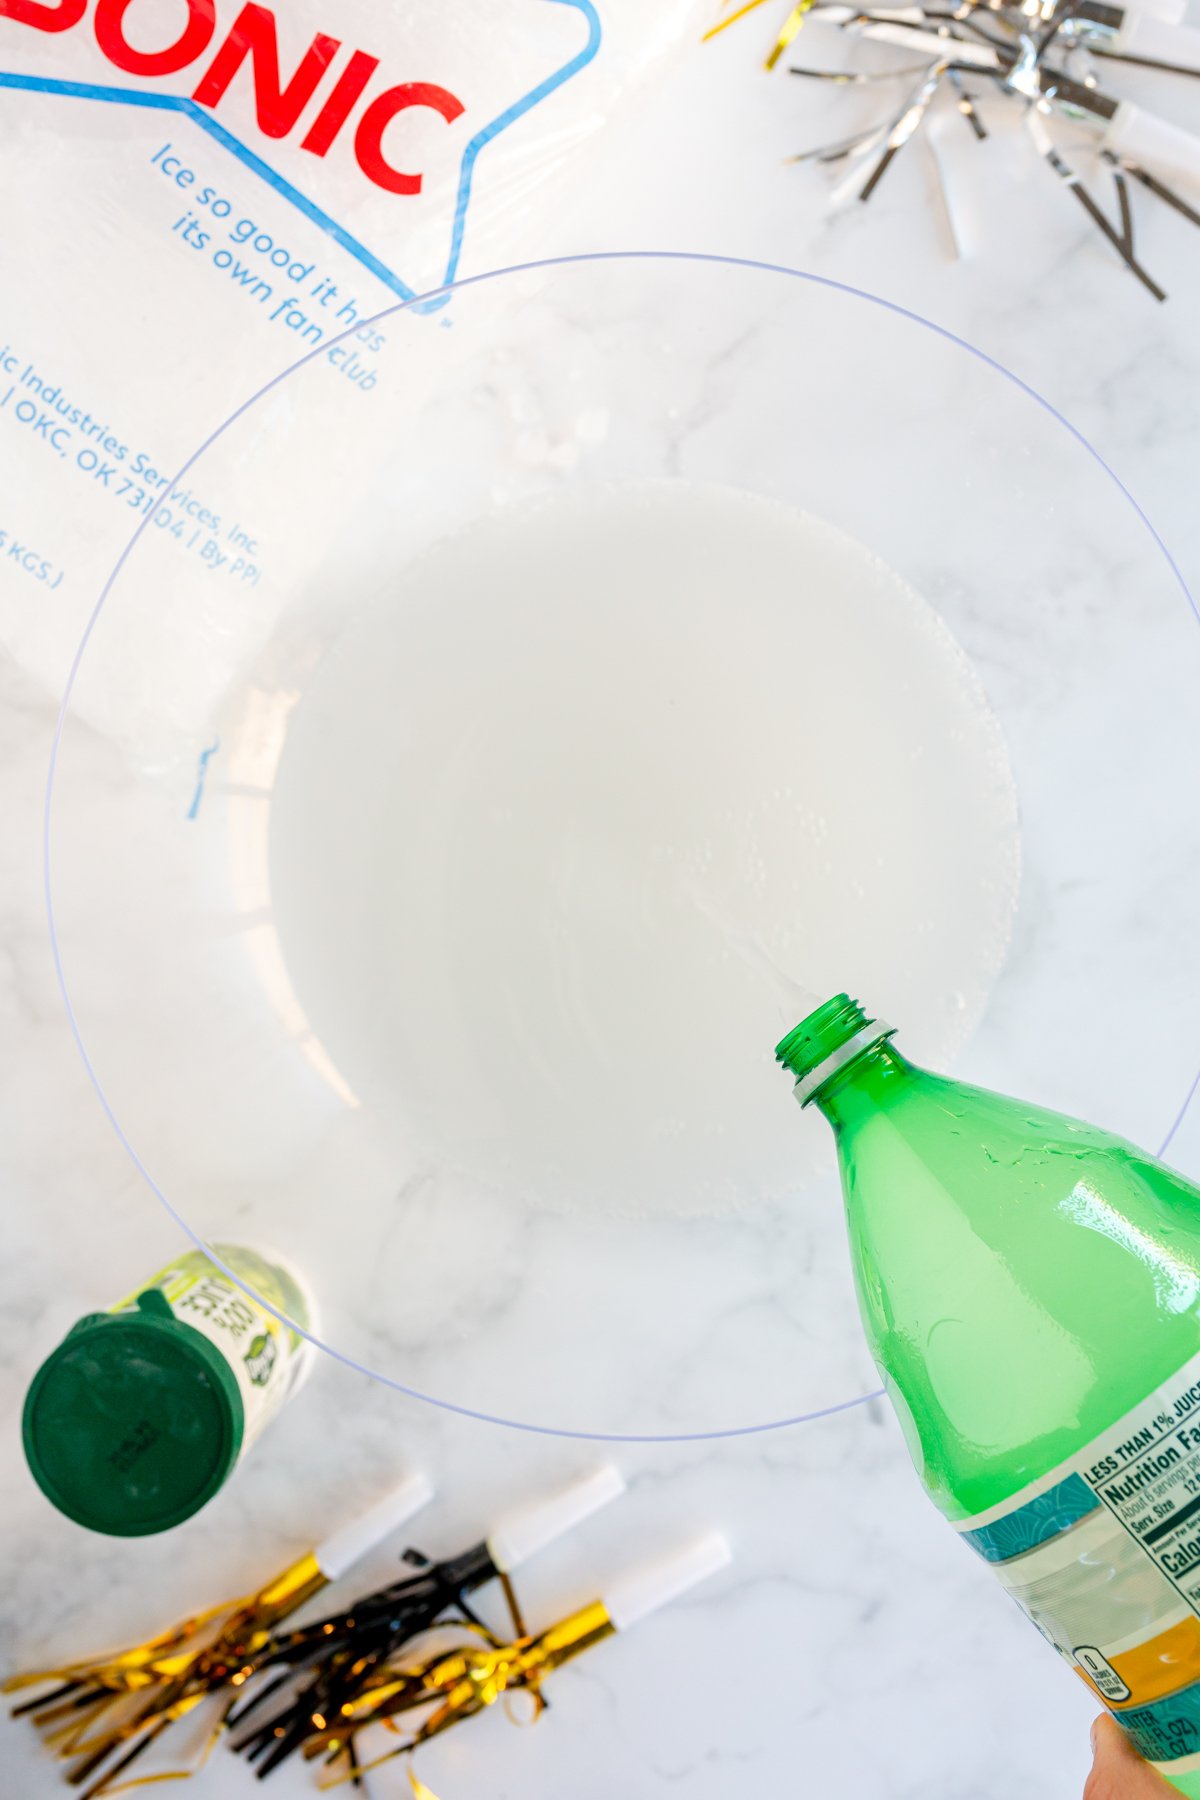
(1166, 1729)
(1034, 1523)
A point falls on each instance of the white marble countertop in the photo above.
(852, 1648)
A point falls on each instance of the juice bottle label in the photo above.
(268, 1359)
(1103, 1555)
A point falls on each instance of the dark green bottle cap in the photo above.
(134, 1421)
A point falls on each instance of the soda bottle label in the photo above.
(1103, 1555)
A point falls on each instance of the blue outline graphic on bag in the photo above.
(182, 103)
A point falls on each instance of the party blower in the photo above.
(323, 1671)
(1030, 1288)
(116, 1706)
(452, 1685)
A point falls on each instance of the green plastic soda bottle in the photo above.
(1030, 1288)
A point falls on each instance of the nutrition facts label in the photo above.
(1147, 1472)
(1103, 1555)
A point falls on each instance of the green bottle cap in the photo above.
(134, 1421)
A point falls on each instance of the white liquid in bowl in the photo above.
(560, 817)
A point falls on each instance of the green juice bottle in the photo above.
(1030, 1287)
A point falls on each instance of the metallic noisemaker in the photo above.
(323, 1671)
(102, 1713)
(453, 1685)
(1038, 56)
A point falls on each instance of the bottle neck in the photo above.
(866, 1085)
